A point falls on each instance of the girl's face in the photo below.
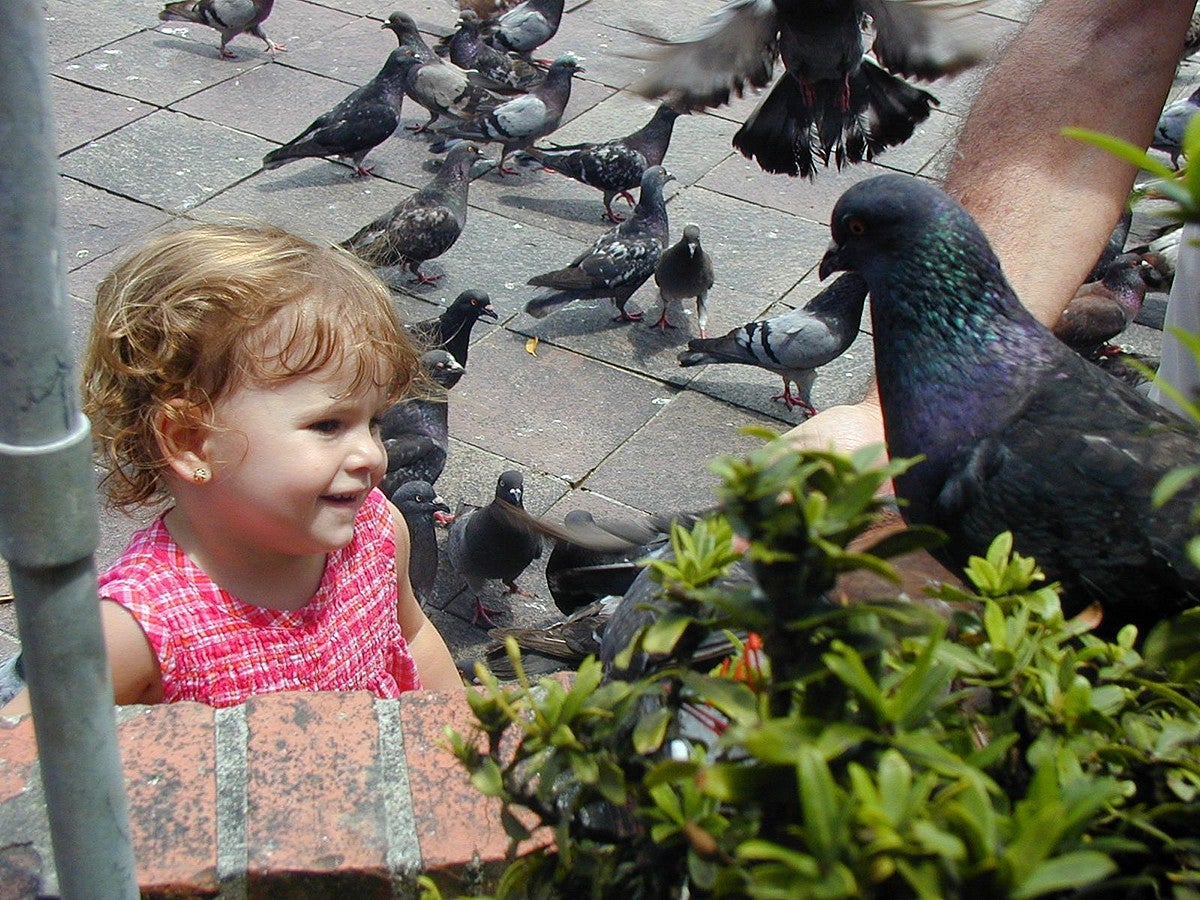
(293, 461)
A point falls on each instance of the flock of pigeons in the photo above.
(1000, 407)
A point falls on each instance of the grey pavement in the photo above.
(154, 129)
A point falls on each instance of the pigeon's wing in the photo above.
(1088, 321)
(736, 46)
(928, 38)
(518, 117)
(523, 28)
(801, 341)
(364, 125)
(621, 262)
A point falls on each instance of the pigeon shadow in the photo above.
(316, 176)
(582, 211)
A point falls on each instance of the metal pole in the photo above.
(48, 518)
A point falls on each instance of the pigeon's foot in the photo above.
(506, 170)
(360, 169)
(663, 323)
(485, 613)
(443, 519)
(520, 592)
(1110, 350)
(273, 47)
(423, 279)
(227, 54)
(792, 401)
(612, 216)
(419, 128)
(623, 316)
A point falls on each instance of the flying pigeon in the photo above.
(1101, 310)
(418, 502)
(794, 344)
(614, 167)
(452, 329)
(685, 271)
(488, 543)
(1168, 133)
(832, 102)
(526, 26)
(441, 88)
(229, 17)
(520, 121)
(423, 225)
(416, 432)
(1017, 432)
(486, 66)
(618, 263)
(362, 121)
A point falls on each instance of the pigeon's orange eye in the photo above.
(856, 227)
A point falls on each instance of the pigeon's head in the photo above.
(511, 488)
(654, 178)
(400, 23)
(691, 235)
(400, 60)
(474, 303)
(462, 154)
(442, 367)
(418, 497)
(468, 17)
(882, 220)
(568, 63)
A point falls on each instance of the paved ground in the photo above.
(153, 127)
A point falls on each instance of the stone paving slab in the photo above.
(94, 222)
(82, 114)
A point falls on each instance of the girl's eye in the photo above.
(326, 426)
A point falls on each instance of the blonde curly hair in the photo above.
(187, 316)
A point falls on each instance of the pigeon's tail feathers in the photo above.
(544, 304)
(893, 107)
(778, 133)
(282, 155)
(724, 349)
(182, 11)
(570, 278)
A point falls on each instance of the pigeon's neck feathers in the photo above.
(650, 214)
(652, 139)
(556, 89)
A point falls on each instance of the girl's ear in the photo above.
(182, 433)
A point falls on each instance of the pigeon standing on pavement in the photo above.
(520, 121)
(488, 67)
(832, 102)
(526, 26)
(614, 167)
(618, 263)
(1168, 134)
(490, 543)
(418, 502)
(1101, 310)
(685, 271)
(425, 224)
(1017, 432)
(793, 345)
(229, 17)
(416, 431)
(452, 329)
(441, 88)
(362, 121)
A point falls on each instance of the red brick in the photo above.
(18, 752)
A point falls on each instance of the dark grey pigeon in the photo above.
(618, 263)
(1101, 310)
(486, 66)
(416, 431)
(423, 225)
(526, 26)
(1017, 431)
(442, 89)
(405, 28)
(685, 272)
(490, 543)
(452, 329)
(229, 17)
(614, 167)
(360, 122)
(418, 502)
(833, 103)
(517, 123)
(793, 345)
(1168, 133)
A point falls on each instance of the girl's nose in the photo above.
(368, 452)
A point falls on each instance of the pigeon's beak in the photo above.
(832, 261)
(489, 312)
(440, 505)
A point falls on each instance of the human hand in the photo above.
(845, 428)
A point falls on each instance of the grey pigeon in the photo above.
(359, 123)
(488, 67)
(452, 329)
(442, 89)
(418, 502)
(405, 28)
(1016, 431)
(489, 543)
(526, 26)
(1102, 309)
(229, 17)
(618, 263)
(614, 167)
(685, 271)
(832, 103)
(416, 431)
(425, 224)
(794, 344)
(517, 123)
(1168, 133)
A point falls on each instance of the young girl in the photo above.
(237, 372)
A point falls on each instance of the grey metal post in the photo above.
(48, 520)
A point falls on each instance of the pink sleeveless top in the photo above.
(215, 649)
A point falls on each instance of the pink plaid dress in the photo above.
(215, 649)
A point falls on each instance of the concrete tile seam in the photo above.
(400, 825)
(231, 736)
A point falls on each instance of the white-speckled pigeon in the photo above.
(794, 344)
(229, 17)
(487, 543)
(1017, 432)
(614, 167)
(519, 122)
(418, 502)
(618, 263)
(416, 431)
(451, 330)
(360, 122)
(486, 66)
(685, 271)
(832, 102)
(425, 224)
